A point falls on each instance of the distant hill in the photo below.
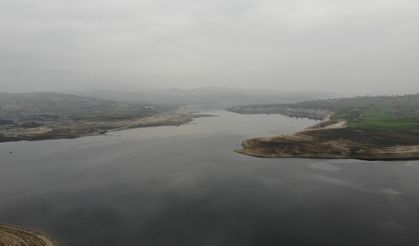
(206, 98)
(41, 116)
(44, 106)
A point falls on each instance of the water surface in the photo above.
(185, 186)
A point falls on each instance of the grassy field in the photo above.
(388, 117)
(369, 113)
(384, 124)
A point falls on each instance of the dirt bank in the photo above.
(336, 142)
(15, 236)
(74, 129)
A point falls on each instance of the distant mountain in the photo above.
(207, 98)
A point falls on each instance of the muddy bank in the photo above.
(12, 235)
(74, 129)
(336, 143)
(296, 112)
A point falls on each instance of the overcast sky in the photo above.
(350, 46)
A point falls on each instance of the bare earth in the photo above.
(73, 129)
(15, 236)
(336, 141)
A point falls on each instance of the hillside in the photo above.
(201, 98)
(36, 116)
(55, 106)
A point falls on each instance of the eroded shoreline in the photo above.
(75, 129)
(336, 141)
(12, 235)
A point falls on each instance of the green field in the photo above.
(386, 117)
(384, 124)
(390, 113)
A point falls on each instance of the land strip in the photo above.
(367, 128)
(74, 129)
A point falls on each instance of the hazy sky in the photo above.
(353, 46)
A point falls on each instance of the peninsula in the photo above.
(366, 128)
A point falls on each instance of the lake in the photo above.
(186, 186)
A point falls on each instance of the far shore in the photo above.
(75, 129)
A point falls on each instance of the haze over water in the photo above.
(185, 186)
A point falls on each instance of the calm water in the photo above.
(185, 186)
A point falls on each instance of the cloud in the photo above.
(353, 45)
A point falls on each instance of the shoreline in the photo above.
(13, 235)
(335, 141)
(72, 129)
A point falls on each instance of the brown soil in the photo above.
(15, 236)
(337, 143)
(74, 129)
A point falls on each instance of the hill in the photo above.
(55, 106)
(202, 98)
(36, 116)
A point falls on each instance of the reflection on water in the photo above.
(185, 186)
